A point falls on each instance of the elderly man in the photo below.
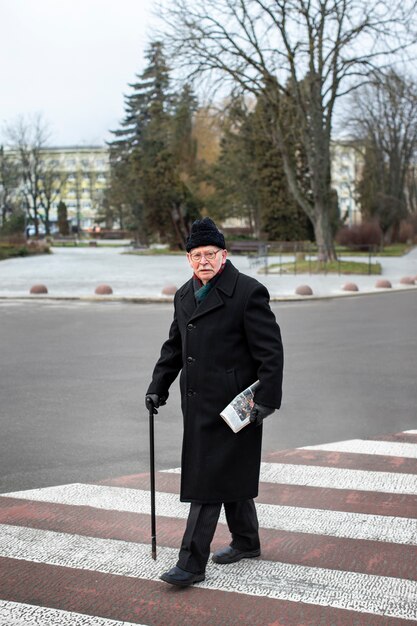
(223, 338)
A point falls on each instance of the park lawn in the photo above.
(395, 249)
(317, 267)
(8, 251)
(154, 251)
(77, 243)
(12, 250)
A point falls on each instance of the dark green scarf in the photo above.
(201, 291)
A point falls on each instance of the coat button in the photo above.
(190, 326)
(190, 392)
(190, 359)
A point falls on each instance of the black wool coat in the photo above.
(221, 347)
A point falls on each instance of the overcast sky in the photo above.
(71, 60)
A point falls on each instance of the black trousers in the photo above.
(201, 525)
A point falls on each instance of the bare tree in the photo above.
(9, 183)
(384, 122)
(52, 181)
(28, 138)
(411, 188)
(312, 52)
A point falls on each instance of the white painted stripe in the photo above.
(294, 519)
(366, 593)
(365, 446)
(339, 478)
(335, 478)
(16, 614)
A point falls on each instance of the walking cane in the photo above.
(152, 472)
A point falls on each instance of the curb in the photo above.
(170, 299)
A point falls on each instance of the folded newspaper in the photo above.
(237, 413)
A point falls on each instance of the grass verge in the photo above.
(13, 250)
(317, 267)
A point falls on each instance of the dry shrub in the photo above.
(408, 230)
(36, 246)
(405, 232)
(361, 236)
(15, 239)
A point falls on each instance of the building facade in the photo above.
(82, 177)
(346, 167)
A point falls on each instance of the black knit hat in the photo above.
(204, 233)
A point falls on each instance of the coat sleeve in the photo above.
(169, 363)
(264, 340)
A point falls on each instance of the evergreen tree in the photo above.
(249, 177)
(62, 215)
(151, 152)
(282, 218)
(184, 144)
(234, 175)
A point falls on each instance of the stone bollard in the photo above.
(169, 290)
(103, 290)
(350, 287)
(407, 280)
(304, 290)
(383, 283)
(38, 289)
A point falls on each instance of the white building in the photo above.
(76, 175)
(346, 166)
(85, 172)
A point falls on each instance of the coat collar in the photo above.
(224, 285)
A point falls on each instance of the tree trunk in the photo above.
(175, 214)
(47, 224)
(323, 235)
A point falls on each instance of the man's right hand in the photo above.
(153, 401)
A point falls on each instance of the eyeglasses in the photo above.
(209, 256)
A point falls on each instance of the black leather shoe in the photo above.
(231, 555)
(181, 578)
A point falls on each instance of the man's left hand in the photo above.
(259, 412)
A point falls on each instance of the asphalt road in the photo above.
(73, 378)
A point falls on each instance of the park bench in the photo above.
(256, 251)
(247, 247)
(65, 240)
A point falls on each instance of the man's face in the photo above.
(206, 268)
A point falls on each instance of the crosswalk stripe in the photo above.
(347, 590)
(278, 517)
(330, 552)
(403, 437)
(357, 501)
(155, 604)
(339, 478)
(347, 460)
(338, 528)
(328, 477)
(22, 614)
(365, 446)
